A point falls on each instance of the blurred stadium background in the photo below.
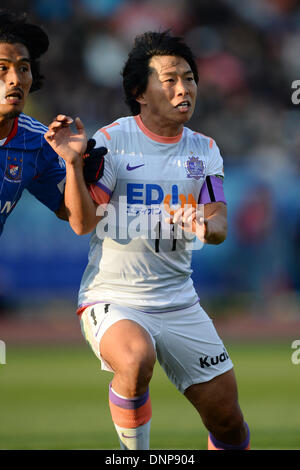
(248, 57)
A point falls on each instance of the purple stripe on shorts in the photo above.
(222, 445)
(105, 188)
(216, 185)
(170, 310)
(128, 403)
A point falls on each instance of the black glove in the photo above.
(93, 162)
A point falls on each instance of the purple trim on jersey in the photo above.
(84, 306)
(222, 445)
(105, 188)
(212, 190)
(128, 403)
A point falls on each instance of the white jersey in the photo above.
(139, 262)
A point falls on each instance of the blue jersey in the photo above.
(28, 162)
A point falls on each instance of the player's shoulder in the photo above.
(115, 129)
(205, 141)
(31, 138)
(31, 125)
(30, 133)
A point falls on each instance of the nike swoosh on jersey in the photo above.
(130, 168)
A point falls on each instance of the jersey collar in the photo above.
(157, 138)
(12, 133)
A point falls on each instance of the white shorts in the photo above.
(186, 342)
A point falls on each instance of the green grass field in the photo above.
(57, 398)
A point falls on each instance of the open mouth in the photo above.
(183, 106)
(14, 97)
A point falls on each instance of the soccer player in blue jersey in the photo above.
(26, 160)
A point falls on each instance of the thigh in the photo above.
(112, 330)
(189, 348)
(126, 345)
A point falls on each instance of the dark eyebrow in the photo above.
(175, 73)
(23, 59)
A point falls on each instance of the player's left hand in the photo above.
(68, 145)
(93, 162)
(191, 220)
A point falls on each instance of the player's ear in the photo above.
(141, 99)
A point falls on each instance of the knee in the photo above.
(137, 368)
(227, 423)
(233, 423)
(139, 364)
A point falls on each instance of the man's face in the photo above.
(171, 92)
(15, 79)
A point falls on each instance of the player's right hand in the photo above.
(68, 145)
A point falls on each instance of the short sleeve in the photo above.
(49, 182)
(215, 164)
(212, 189)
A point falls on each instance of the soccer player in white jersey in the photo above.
(137, 302)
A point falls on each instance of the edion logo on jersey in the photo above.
(213, 361)
(150, 194)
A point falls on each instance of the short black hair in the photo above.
(136, 70)
(15, 29)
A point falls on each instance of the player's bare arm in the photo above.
(215, 222)
(62, 212)
(80, 208)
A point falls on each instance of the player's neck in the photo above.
(166, 129)
(6, 126)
